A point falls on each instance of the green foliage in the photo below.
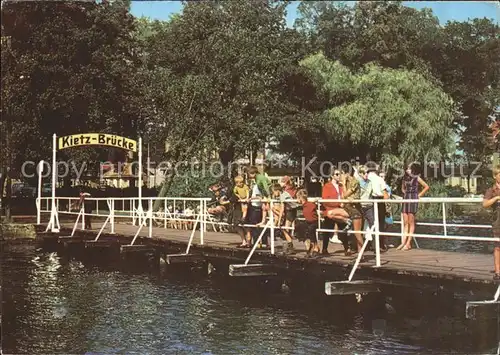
(76, 73)
(434, 211)
(394, 113)
(463, 56)
(193, 183)
(223, 66)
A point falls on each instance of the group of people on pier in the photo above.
(256, 202)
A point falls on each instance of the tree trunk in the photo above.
(468, 177)
(253, 156)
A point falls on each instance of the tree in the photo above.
(223, 68)
(71, 68)
(463, 56)
(387, 114)
(242, 52)
(78, 69)
(387, 33)
(469, 68)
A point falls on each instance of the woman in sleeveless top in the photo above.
(411, 183)
(492, 201)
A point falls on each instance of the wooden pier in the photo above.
(465, 277)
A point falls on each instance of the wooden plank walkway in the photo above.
(418, 262)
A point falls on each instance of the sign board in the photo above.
(84, 139)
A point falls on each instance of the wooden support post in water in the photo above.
(184, 259)
(252, 270)
(484, 309)
(339, 288)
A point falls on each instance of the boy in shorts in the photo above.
(242, 192)
(308, 232)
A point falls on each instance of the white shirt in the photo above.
(286, 196)
(378, 185)
(256, 193)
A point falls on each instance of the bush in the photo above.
(435, 210)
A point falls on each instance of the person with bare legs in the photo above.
(291, 207)
(492, 200)
(241, 193)
(411, 183)
(308, 233)
(281, 211)
(335, 190)
(379, 192)
(334, 213)
(353, 192)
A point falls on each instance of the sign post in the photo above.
(140, 210)
(54, 218)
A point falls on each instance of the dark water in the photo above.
(51, 305)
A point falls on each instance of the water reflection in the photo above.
(57, 306)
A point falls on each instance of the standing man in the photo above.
(366, 193)
(492, 200)
(379, 192)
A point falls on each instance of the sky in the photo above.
(444, 10)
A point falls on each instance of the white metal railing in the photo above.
(69, 206)
(174, 212)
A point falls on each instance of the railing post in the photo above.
(165, 213)
(402, 229)
(318, 210)
(140, 211)
(38, 210)
(83, 215)
(150, 211)
(39, 170)
(444, 219)
(377, 235)
(132, 209)
(271, 218)
(175, 214)
(202, 221)
(259, 239)
(204, 216)
(97, 207)
(112, 214)
(76, 222)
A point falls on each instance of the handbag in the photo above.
(389, 220)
